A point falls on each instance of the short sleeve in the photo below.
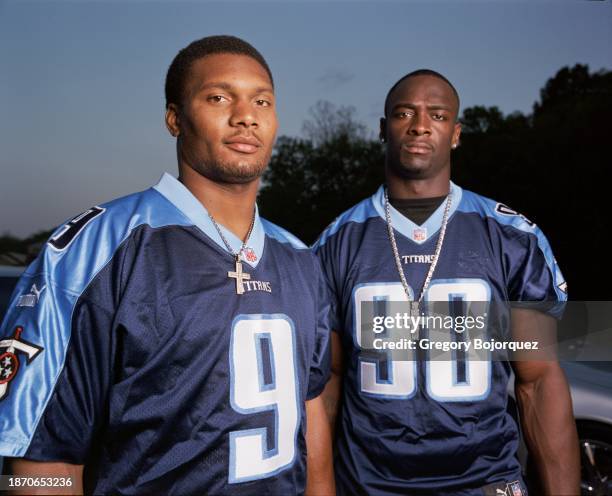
(533, 273)
(324, 255)
(55, 356)
(320, 368)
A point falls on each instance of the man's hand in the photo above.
(20, 467)
(545, 406)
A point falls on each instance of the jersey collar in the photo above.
(414, 232)
(177, 194)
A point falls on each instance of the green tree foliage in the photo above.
(310, 180)
(491, 146)
(552, 167)
(572, 125)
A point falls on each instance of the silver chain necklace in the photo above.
(237, 272)
(414, 308)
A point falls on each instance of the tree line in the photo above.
(550, 165)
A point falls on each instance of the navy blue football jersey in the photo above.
(127, 349)
(421, 426)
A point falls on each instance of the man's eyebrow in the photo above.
(435, 106)
(228, 87)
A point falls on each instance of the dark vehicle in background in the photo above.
(591, 388)
(585, 348)
(585, 335)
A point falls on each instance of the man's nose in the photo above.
(419, 125)
(244, 114)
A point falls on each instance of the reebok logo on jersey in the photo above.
(515, 489)
(9, 359)
(32, 298)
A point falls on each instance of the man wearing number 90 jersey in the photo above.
(422, 426)
(172, 341)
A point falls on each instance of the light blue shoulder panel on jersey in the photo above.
(37, 326)
(375, 206)
(282, 235)
(474, 203)
(179, 195)
(361, 212)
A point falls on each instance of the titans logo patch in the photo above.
(10, 350)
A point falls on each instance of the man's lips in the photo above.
(243, 144)
(417, 148)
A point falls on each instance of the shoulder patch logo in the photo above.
(563, 286)
(32, 298)
(502, 209)
(9, 358)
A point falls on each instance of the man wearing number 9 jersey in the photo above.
(424, 426)
(172, 341)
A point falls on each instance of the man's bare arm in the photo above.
(27, 468)
(545, 406)
(333, 389)
(320, 469)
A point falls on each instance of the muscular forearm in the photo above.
(550, 431)
(333, 389)
(331, 400)
(320, 471)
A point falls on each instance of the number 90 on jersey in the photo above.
(448, 378)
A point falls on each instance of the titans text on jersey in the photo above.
(423, 426)
(131, 353)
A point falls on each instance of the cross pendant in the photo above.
(239, 276)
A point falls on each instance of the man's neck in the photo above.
(231, 205)
(406, 189)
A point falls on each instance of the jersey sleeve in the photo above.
(56, 355)
(533, 273)
(320, 368)
(323, 252)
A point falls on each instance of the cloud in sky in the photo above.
(334, 77)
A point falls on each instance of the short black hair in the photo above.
(178, 71)
(422, 72)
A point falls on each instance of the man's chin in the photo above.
(411, 168)
(234, 173)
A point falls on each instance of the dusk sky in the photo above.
(81, 82)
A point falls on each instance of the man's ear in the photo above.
(382, 134)
(172, 120)
(456, 134)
